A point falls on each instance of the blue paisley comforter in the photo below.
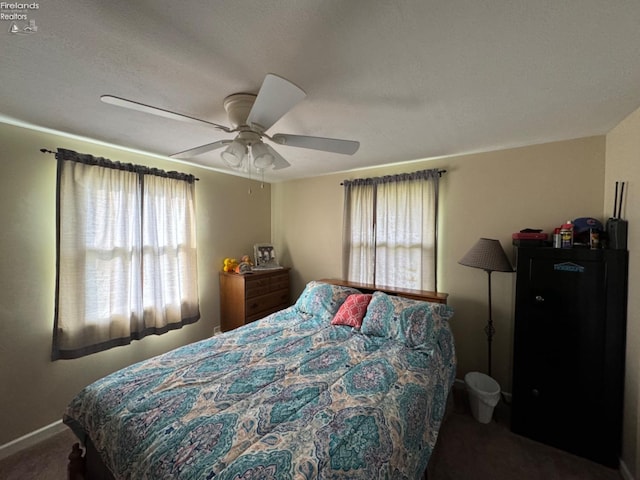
(287, 397)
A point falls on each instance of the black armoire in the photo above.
(569, 348)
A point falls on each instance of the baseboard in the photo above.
(30, 439)
(624, 471)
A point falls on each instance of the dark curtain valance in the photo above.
(400, 177)
(70, 155)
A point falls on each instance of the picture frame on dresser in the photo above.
(265, 255)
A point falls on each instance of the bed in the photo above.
(339, 385)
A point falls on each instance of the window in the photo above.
(126, 254)
(390, 230)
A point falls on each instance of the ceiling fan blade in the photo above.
(345, 147)
(141, 107)
(192, 152)
(278, 161)
(276, 97)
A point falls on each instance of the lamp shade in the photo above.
(234, 154)
(488, 255)
(262, 158)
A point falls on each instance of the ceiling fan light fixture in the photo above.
(251, 116)
(262, 158)
(234, 154)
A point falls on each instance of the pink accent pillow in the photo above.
(352, 311)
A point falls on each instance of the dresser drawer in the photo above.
(256, 306)
(279, 282)
(256, 286)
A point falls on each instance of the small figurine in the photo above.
(243, 267)
(229, 264)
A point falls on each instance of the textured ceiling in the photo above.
(408, 79)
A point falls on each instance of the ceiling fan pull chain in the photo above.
(249, 159)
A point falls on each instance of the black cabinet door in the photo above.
(561, 346)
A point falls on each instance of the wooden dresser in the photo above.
(245, 298)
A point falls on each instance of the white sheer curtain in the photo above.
(359, 221)
(170, 289)
(126, 263)
(392, 219)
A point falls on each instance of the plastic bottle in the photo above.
(566, 235)
(557, 239)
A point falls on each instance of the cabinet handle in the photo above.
(539, 298)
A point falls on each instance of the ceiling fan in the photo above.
(251, 116)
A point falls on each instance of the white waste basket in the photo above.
(484, 394)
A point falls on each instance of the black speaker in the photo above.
(617, 233)
(616, 227)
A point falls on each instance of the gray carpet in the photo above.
(44, 461)
(466, 450)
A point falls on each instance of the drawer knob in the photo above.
(539, 298)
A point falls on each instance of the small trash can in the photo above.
(484, 394)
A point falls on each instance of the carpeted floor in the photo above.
(466, 450)
(44, 461)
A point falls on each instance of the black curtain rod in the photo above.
(440, 173)
(44, 150)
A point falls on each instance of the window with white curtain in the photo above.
(390, 230)
(126, 253)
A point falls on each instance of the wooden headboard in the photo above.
(424, 295)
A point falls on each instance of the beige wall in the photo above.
(482, 195)
(623, 164)
(34, 390)
(490, 194)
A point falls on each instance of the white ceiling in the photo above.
(408, 79)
